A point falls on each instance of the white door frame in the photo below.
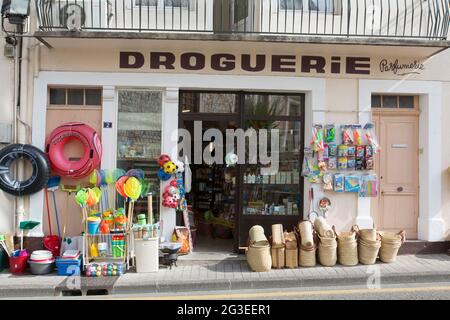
(430, 224)
(169, 84)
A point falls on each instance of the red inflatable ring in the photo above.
(90, 140)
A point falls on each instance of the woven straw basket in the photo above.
(305, 229)
(348, 252)
(327, 251)
(278, 257)
(390, 244)
(347, 247)
(291, 258)
(368, 251)
(259, 258)
(307, 256)
(366, 234)
(291, 240)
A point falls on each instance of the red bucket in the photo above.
(53, 244)
(18, 265)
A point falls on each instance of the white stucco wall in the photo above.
(6, 116)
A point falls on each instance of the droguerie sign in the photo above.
(195, 61)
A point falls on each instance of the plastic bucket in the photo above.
(93, 227)
(142, 219)
(147, 255)
(18, 265)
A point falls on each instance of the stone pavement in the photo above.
(235, 274)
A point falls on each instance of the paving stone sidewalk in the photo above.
(235, 274)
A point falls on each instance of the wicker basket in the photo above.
(259, 258)
(327, 251)
(390, 244)
(368, 250)
(322, 228)
(291, 258)
(307, 256)
(291, 240)
(347, 252)
(366, 234)
(345, 236)
(278, 257)
(305, 229)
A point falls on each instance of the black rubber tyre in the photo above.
(39, 163)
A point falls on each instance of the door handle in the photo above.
(400, 189)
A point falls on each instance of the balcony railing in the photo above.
(427, 19)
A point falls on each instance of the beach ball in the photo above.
(170, 167)
(163, 159)
(162, 175)
(180, 166)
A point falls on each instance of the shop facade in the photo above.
(344, 98)
(140, 91)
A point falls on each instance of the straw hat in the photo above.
(257, 235)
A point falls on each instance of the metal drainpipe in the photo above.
(19, 202)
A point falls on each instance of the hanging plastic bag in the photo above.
(347, 135)
(371, 137)
(357, 138)
(330, 133)
(369, 185)
(317, 138)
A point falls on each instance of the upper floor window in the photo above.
(291, 4)
(330, 6)
(165, 3)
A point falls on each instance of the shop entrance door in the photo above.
(214, 192)
(397, 165)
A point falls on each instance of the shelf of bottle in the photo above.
(271, 185)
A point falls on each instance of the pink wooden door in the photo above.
(397, 165)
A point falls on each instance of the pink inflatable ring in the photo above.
(90, 140)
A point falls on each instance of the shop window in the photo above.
(272, 105)
(393, 101)
(139, 137)
(201, 102)
(75, 97)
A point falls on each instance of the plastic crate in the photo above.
(68, 267)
